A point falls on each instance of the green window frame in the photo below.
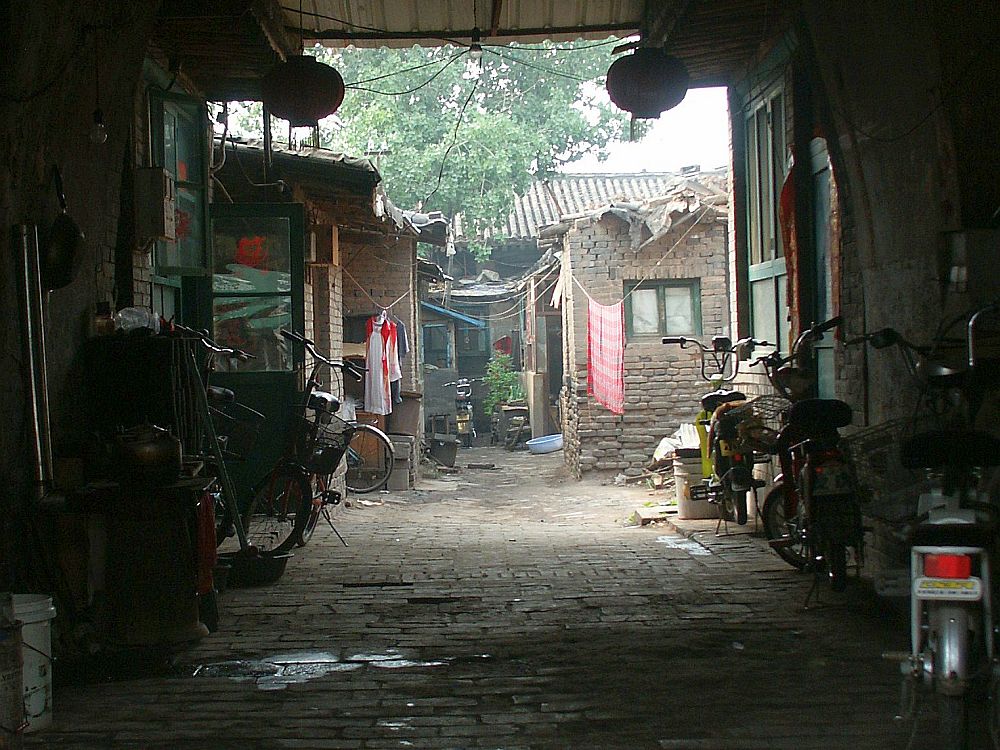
(180, 145)
(677, 304)
(765, 169)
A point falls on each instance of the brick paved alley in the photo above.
(513, 609)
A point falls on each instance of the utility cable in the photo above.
(454, 140)
(357, 84)
(447, 63)
(540, 68)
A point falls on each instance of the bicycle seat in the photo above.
(940, 374)
(820, 413)
(939, 449)
(712, 401)
(323, 401)
(218, 395)
(955, 535)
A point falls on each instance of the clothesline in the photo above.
(364, 291)
(663, 257)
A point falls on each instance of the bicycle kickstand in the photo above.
(326, 515)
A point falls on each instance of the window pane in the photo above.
(764, 184)
(645, 312)
(753, 194)
(762, 307)
(778, 160)
(679, 310)
(189, 228)
(251, 254)
(252, 324)
(188, 155)
(169, 142)
(784, 327)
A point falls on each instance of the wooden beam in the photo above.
(446, 35)
(659, 19)
(271, 19)
(495, 17)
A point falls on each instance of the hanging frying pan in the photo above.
(65, 246)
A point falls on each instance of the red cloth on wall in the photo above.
(606, 355)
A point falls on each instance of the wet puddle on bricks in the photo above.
(279, 671)
(686, 545)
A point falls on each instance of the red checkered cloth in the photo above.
(606, 355)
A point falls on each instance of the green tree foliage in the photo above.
(525, 112)
(503, 383)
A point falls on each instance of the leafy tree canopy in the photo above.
(462, 138)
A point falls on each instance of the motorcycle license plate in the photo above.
(831, 480)
(960, 589)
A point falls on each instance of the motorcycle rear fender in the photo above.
(951, 658)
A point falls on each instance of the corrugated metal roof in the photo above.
(549, 200)
(713, 38)
(402, 23)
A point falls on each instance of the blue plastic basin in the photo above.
(545, 444)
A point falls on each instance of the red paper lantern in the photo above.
(647, 82)
(302, 90)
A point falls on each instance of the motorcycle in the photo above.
(812, 514)
(953, 627)
(465, 423)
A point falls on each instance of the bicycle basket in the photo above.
(328, 447)
(238, 427)
(758, 422)
(887, 489)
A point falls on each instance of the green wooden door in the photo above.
(256, 290)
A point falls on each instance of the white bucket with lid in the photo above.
(35, 611)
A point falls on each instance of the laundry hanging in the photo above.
(382, 361)
(606, 355)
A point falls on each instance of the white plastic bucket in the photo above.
(687, 472)
(35, 611)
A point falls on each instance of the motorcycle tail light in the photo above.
(947, 566)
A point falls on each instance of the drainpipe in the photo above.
(32, 311)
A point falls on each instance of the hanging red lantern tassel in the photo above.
(302, 90)
(647, 82)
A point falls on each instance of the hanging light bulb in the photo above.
(98, 130)
(476, 49)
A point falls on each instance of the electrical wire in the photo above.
(454, 140)
(541, 68)
(415, 88)
(357, 84)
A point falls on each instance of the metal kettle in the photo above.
(147, 453)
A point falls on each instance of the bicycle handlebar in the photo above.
(349, 368)
(212, 345)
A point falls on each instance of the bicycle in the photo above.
(812, 514)
(727, 454)
(285, 509)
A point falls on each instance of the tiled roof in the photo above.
(550, 199)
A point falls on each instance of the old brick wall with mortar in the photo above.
(662, 383)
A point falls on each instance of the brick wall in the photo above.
(662, 384)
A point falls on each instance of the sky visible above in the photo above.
(696, 131)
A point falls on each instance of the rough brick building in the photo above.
(667, 259)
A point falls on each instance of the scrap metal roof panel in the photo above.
(548, 200)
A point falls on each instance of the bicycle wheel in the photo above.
(278, 511)
(369, 459)
(784, 531)
(320, 484)
(953, 721)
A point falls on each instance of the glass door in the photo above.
(257, 290)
